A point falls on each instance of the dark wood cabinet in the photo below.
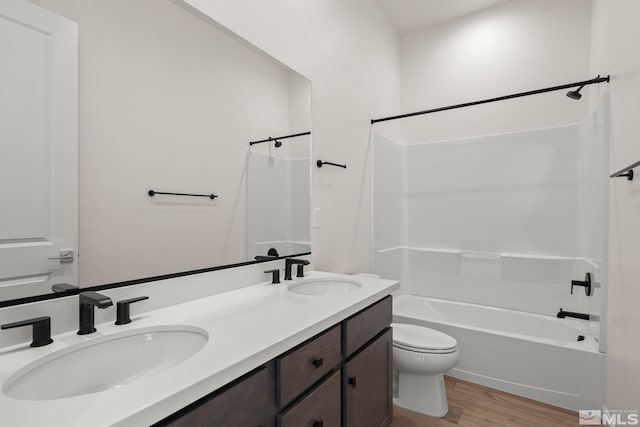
(247, 402)
(341, 377)
(368, 400)
(300, 368)
(363, 326)
(322, 407)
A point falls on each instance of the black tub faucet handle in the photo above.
(587, 284)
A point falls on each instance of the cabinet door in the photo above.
(368, 399)
(249, 402)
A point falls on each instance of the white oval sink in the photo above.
(324, 287)
(105, 363)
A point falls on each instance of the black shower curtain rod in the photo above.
(500, 98)
(279, 137)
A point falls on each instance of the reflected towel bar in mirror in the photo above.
(319, 163)
(279, 137)
(152, 193)
(626, 172)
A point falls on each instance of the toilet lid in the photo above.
(421, 338)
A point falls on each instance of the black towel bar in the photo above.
(152, 193)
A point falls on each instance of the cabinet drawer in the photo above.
(362, 327)
(305, 365)
(321, 408)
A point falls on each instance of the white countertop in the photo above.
(247, 327)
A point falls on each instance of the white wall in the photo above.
(167, 101)
(516, 46)
(349, 51)
(615, 49)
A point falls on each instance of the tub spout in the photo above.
(562, 314)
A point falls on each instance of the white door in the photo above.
(38, 149)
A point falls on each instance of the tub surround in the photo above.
(247, 327)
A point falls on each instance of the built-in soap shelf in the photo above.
(509, 267)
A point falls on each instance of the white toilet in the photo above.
(421, 356)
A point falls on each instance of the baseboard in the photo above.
(559, 399)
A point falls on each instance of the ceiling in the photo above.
(411, 15)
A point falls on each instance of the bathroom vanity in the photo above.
(344, 373)
(274, 356)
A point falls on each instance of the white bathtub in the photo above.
(530, 355)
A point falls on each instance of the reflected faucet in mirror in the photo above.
(271, 255)
(63, 287)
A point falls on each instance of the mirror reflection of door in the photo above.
(38, 150)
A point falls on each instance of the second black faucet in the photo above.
(89, 300)
(290, 262)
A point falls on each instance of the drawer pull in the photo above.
(317, 362)
(352, 382)
(319, 423)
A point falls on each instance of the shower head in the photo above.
(575, 94)
(278, 143)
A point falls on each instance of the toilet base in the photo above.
(425, 394)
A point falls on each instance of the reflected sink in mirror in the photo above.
(105, 363)
(324, 287)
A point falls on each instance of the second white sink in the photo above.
(105, 363)
(324, 287)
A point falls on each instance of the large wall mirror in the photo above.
(168, 101)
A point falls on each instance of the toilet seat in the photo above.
(422, 340)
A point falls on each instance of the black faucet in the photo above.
(123, 310)
(562, 314)
(275, 276)
(89, 300)
(289, 262)
(41, 334)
